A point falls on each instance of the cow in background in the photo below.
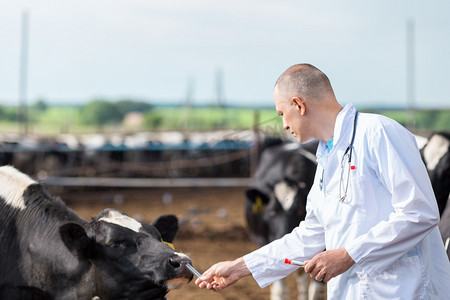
(436, 156)
(276, 204)
(49, 252)
(444, 227)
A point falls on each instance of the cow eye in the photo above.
(121, 245)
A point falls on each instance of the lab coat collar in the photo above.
(341, 130)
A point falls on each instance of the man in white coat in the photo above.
(371, 226)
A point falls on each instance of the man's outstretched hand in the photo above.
(223, 274)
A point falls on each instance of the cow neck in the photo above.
(93, 279)
(93, 286)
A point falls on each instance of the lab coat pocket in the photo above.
(402, 280)
(359, 204)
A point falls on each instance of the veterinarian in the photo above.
(371, 207)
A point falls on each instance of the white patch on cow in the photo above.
(12, 185)
(279, 290)
(120, 219)
(302, 279)
(296, 146)
(317, 290)
(291, 146)
(421, 141)
(181, 254)
(436, 148)
(285, 194)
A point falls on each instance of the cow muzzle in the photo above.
(182, 273)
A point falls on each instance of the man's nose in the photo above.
(285, 125)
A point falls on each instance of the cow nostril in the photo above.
(175, 262)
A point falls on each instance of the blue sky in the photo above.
(163, 51)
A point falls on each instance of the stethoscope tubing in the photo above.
(350, 147)
(349, 150)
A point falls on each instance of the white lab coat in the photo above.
(387, 223)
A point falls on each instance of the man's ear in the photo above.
(299, 104)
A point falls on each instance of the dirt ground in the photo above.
(212, 227)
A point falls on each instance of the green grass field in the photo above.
(62, 119)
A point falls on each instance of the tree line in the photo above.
(101, 114)
(97, 112)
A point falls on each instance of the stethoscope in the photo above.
(347, 154)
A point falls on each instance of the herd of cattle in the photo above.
(48, 252)
(131, 155)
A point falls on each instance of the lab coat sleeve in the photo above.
(267, 263)
(395, 159)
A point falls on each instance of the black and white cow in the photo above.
(49, 252)
(436, 156)
(444, 227)
(276, 203)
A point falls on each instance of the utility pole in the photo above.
(219, 87)
(23, 74)
(410, 74)
(189, 92)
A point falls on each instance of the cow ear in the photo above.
(167, 226)
(75, 238)
(253, 194)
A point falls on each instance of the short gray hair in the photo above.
(304, 80)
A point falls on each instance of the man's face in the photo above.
(292, 117)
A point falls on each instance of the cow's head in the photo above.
(276, 199)
(131, 260)
(276, 209)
